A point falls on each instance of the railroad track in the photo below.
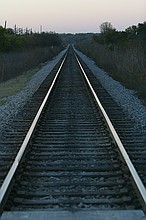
(72, 158)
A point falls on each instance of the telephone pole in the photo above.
(5, 25)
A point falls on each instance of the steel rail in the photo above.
(137, 181)
(8, 180)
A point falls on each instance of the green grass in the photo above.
(13, 86)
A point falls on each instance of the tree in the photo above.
(9, 31)
(142, 28)
(132, 30)
(108, 33)
(106, 27)
(2, 39)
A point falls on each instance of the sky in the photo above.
(71, 16)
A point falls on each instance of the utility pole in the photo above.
(15, 29)
(5, 25)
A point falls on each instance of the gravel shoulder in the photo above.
(14, 104)
(127, 99)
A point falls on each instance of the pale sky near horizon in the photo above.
(72, 16)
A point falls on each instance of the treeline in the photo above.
(22, 50)
(112, 37)
(10, 40)
(121, 53)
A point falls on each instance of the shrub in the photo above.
(15, 63)
(125, 63)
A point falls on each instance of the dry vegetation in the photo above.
(125, 63)
(13, 64)
(23, 50)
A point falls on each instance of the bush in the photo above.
(125, 63)
(9, 41)
(21, 51)
(15, 63)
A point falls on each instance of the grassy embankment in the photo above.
(14, 63)
(17, 68)
(126, 63)
(13, 86)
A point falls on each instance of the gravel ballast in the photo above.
(124, 97)
(15, 104)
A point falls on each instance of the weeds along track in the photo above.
(72, 160)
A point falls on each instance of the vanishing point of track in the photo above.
(72, 158)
